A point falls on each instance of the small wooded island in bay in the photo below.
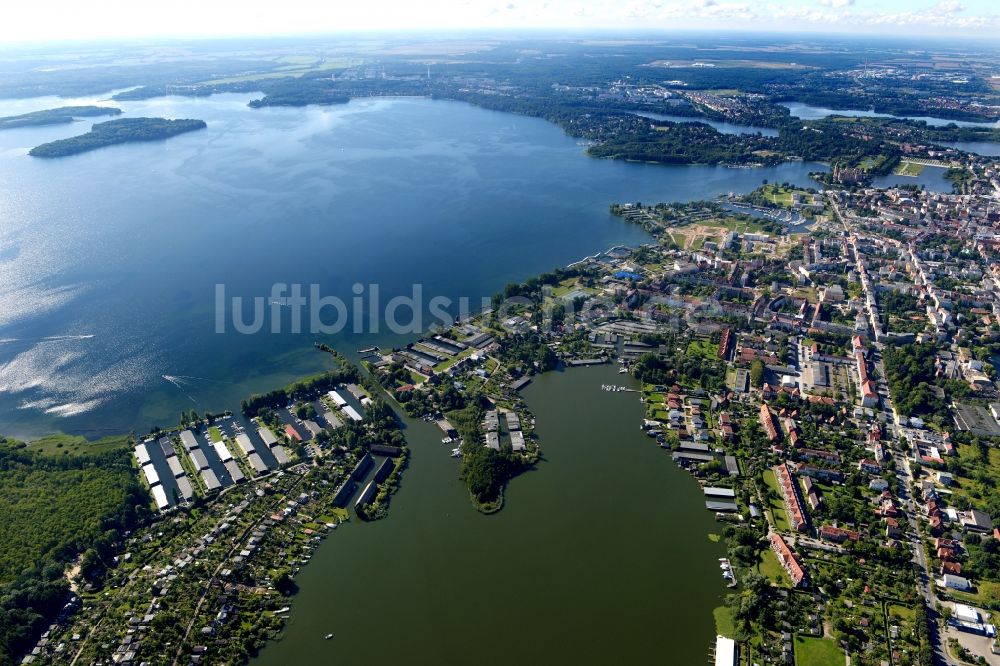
(122, 130)
(60, 116)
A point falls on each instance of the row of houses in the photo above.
(788, 560)
(797, 517)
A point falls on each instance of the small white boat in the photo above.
(328, 636)
(456, 452)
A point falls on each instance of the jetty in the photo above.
(612, 388)
(725, 652)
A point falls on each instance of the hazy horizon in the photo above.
(47, 21)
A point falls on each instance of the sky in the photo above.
(47, 20)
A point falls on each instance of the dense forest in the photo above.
(60, 116)
(301, 389)
(679, 367)
(53, 509)
(484, 470)
(916, 388)
(123, 130)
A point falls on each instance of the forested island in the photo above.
(60, 116)
(123, 130)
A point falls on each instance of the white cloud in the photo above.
(59, 19)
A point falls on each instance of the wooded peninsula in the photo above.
(123, 130)
(60, 116)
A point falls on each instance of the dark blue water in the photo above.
(931, 178)
(109, 259)
(987, 148)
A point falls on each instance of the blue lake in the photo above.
(109, 260)
(722, 127)
(986, 148)
(931, 178)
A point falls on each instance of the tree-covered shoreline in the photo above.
(112, 132)
(61, 116)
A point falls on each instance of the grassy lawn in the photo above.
(817, 652)
(564, 287)
(776, 506)
(657, 415)
(971, 488)
(986, 591)
(905, 612)
(778, 195)
(769, 567)
(444, 365)
(215, 434)
(704, 348)
(732, 224)
(724, 624)
(909, 169)
(60, 444)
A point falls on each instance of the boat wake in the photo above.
(48, 338)
(181, 382)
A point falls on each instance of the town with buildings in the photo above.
(823, 363)
(243, 501)
(818, 359)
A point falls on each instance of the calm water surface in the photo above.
(109, 260)
(931, 178)
(987, 148)
(600, 556)
(722, 127)
(108, 267)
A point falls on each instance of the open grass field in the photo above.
(729, 64)
(971, 487)
(444, 365)
(905, 168)
(657, 413)
(904, 612)
(769, 567)
(987, 592)
(724, 625)
(778, 195)
(703, 348)
(60, 444)
(775, 505)
(295, 70)
(817, 652)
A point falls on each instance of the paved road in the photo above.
(925, 580)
